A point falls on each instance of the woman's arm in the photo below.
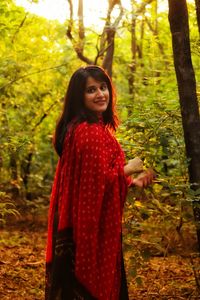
(134, 166)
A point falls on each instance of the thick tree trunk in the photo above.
(178, 18)
(108, 59)
(108, 36)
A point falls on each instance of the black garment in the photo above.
(61, 283)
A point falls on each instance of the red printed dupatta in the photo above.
(89, 190)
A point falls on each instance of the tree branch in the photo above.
(143, 6)
(71, 22)
(30, 74)
(108, 35)
(44, 116)
(160, 46)
(78, 45)
(19, 27)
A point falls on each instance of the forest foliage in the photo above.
(37, 60)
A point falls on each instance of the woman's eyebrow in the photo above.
(90, 86)
(93, 85)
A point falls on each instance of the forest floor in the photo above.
(22, 267)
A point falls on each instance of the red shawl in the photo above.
(90, 189)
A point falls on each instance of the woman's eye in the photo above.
(90, 90)
(104, 87)
(93, 89)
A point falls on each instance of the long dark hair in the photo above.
(74, 108)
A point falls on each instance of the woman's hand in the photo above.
(144, 179)
(134, 165)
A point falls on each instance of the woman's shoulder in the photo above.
(87, 135)
(90, 129)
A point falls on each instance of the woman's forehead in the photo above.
(91, 81)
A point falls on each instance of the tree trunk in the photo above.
(14, 175)
(108, 35)
(140, 46)
(197, 3)
(77, 43)
(136, 48)
(108, 59)
(131, 79)
(178, 18)
(25, 171)
(154, 30)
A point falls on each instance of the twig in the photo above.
(35, 263)
(19, 27)
(30, 74)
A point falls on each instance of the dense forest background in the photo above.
(37, 59)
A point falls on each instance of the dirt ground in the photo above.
(22, 267)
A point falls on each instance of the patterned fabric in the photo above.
(89, 190)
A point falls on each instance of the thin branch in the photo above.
(81, 31)
(143, 6)
(100, 52)
(30, 74)
(118, 19)
(160, 46)
(19, 27)
(71, 22)
(44, 116)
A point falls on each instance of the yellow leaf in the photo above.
(138, 203)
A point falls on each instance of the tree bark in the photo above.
(26, 171)
(14, 175)
(78, 44)
(108, 36)
(136, 47)
(160, 45)
(131, 79)
(178, 18)
(140, 46)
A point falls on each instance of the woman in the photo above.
(84, 253)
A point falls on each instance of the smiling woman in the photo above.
(84, 249)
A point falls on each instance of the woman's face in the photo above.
(96, 95)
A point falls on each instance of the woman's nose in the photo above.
(100, 92)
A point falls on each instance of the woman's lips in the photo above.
(100, 102)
